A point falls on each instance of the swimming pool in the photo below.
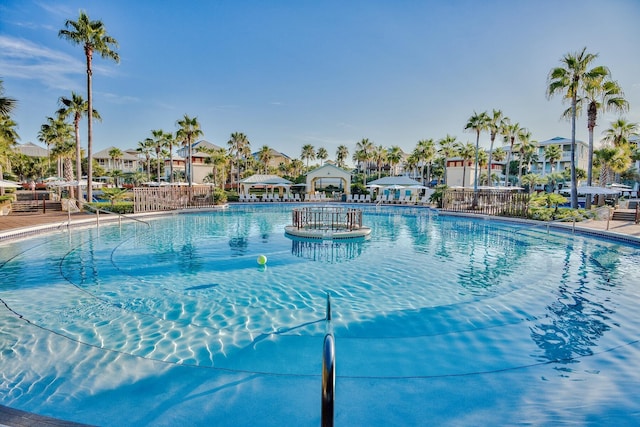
(438, 320)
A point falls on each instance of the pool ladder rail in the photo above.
(328, 371)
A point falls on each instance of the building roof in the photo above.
(104, 154)
(272, 152)
(559, 140)
(32, 150)
(265, 179)
(183, 151)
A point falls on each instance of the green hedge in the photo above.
(553, 214)
(117, 207)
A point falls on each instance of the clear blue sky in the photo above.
(289, 73)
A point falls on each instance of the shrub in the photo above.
(116, 207)
(438, 195)
(358, 188)
(220, 196)
(230, 196)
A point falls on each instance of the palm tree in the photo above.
(57, 133)
(477, 123)
(601, 94)
(189, 130)
(6, 104)
(54, 133)
(76, 107)
(394, 157)
(553, 153)
(322, 154)
(621, 132)
(116, 156)
(530, 155)
(510, 131)
(379, 157)
(341, 155)
(483, 160)
(145, 149)
(569, 80)
(364, 150)
(296, 167)
(236, 146)
(412, 161)
(426, 152)
(217, 158)
(467, 152)
(494, 125)
(499, 155)
(159, 142)
(170, 139)
(265, 157)
(612, 160)
(8, 138)
(447, 150)
(523, 145)
(93, 37)
(64, 150)
(308, 153)
(531, 180)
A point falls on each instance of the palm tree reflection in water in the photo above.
(575, 321)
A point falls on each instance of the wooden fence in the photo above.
(487, 202)
(153, 199)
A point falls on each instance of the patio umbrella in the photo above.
(589, 189)
(395, 180)
(9, 184)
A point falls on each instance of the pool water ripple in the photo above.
(427, 298)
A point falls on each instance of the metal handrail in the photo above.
(328, 372)
(120, 216)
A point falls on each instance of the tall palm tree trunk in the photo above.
(89, 55)
(574, 182)
(80, 197)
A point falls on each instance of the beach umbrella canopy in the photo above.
(589, 189)
(404, 181)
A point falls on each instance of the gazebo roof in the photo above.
(265, 179)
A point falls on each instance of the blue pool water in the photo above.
(438, 320)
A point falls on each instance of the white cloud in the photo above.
(24, 59)
(55, 69)
(119, 99)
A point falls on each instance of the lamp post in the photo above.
(158, 158)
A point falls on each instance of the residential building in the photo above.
(276, 158)
(127, 163)
(198, 161)
(543, 167)
(457, 170)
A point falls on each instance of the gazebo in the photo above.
(267, 181)
(328, 170)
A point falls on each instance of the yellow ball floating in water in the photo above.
(262, 260)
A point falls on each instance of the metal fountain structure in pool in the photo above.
(327, 223)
